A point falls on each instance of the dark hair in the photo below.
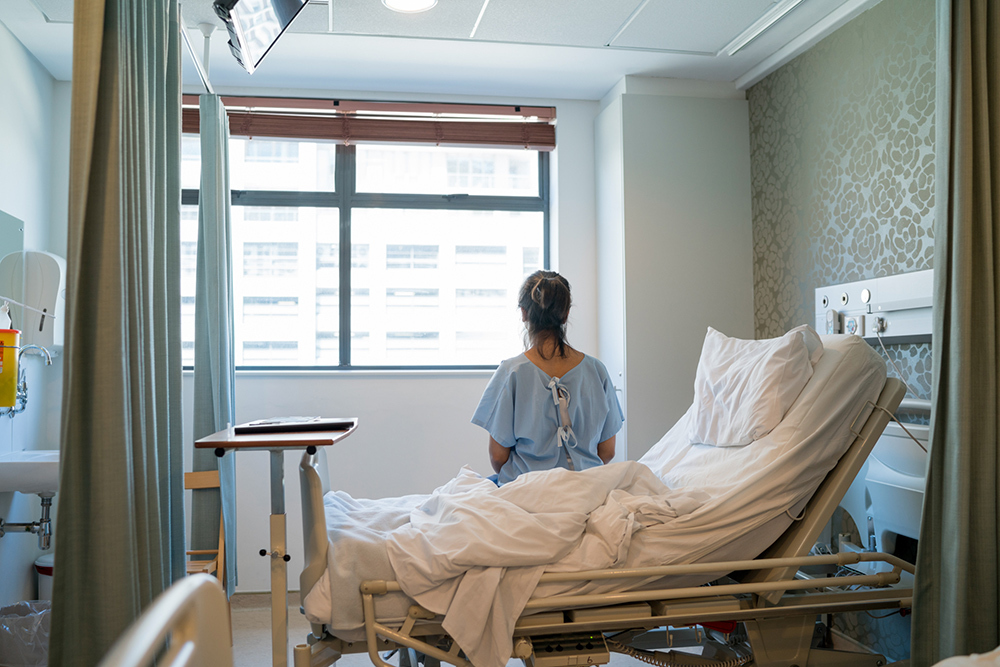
(545, 299)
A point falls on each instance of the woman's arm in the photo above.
(499, 454)
(606, 449)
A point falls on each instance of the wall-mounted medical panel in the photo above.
(899, 308)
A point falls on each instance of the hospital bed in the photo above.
(766, 505)
(185, 626)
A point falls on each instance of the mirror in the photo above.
(11, 234)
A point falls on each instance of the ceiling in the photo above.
(546, 49)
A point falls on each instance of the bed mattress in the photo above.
(681, 503)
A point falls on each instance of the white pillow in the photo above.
(743, 388)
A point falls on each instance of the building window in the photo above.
(480, 297)
(270, 352)
(328, 256)
(270, 259)
(433, 274)
(530, 260)
(259, 150)
(270, 214)
(270, 306)
(410, 296)
(480, 254)
(411, 256)
(189, 258)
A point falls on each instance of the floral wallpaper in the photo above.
(842, 169)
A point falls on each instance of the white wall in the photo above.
(675, 228)
(34, 131)
(691, 264)
(414, 431)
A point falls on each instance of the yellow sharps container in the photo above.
(10, 339)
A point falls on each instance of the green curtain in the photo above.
(957, 590)
(214, 364)
(120, 528)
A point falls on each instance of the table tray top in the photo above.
(228, 439)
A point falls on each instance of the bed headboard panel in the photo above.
(802, 535)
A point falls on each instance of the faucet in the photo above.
(48, 356)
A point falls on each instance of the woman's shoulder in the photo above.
(595, 365)
(513, 366)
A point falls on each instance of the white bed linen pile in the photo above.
(474, 553)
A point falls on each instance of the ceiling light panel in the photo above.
(704, 26)
(449, 19)
(561, 22)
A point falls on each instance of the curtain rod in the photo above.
(202, 74)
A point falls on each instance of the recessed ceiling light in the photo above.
(409, 6)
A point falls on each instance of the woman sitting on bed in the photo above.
(552, 406)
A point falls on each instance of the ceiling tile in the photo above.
(56, 11)
(562, 22)
(682, 25)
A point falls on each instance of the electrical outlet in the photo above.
(832, 322)
(854, 324)
(878, 325)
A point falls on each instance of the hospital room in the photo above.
(264, 265)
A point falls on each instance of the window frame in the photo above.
(346, 199)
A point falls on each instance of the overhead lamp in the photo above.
(772, 16)
(409, 6)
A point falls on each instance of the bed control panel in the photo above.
(573, 649)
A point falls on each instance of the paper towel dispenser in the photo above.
(34, 283)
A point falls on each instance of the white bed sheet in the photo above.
(713, 503)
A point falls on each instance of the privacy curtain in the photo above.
(957, 592)
(214, 364)
(120, 528)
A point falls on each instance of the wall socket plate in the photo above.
(855, 324)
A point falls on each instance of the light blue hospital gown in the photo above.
(518, 410)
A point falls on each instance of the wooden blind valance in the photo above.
(351, 128)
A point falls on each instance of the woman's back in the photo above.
(519, 410)
(552, 405)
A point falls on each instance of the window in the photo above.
(440, 241)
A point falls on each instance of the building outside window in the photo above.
(440, 241)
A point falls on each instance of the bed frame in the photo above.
(773, 596)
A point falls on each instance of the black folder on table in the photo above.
(293, 425)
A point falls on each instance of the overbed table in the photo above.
(276, 444)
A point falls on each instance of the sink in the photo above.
(30, 471)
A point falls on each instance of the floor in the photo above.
(252, 634)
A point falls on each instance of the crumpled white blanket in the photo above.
(474, 552)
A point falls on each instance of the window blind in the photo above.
(351, 122)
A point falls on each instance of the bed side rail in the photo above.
(802, 535)
(312, 469)
(665, 606)
(791, 564)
